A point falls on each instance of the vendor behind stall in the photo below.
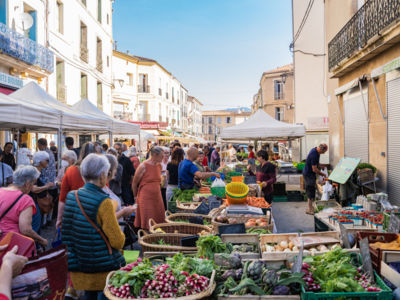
(310, 172)
(266, 174)
(187, 171)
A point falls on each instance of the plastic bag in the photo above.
(218, 182)
(326, 191)
(320, 178)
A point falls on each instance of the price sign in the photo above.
(214, 204)
(232, 228)
(344, 236)
(298, 264)
(394, 224)
(366, 259)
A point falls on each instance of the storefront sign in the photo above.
(151, 125)
(318, 123)
(10, 81)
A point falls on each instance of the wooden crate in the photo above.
(277, 238)
(386, 271)
(243, 239)
(333, 234)
(254, 297)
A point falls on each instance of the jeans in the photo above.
(95, 295)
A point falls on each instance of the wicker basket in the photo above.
(236, 193)
(185, 207)
(204, 294)
(183, 228)
(243, 219)
(171, 218)
(174, 239)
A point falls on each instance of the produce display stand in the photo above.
(251, 297)
(277, 238)
(188, 207)
(244, 239)
(388, 272)
(206, 293)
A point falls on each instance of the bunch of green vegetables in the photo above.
(334, 272)
(181, 262)
(254, 278)
(258, 231)
(210, 244)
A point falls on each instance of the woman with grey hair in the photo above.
(146, 188)
(68, 158)
(89, 217)
(132, 154)
(17, 207)
(121, 212)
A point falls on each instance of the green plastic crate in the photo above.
(279, 199)
(385, 294)
(218, 191)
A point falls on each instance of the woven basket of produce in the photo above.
(185, 218)
(183, 228)
(192, 286)
(236, 193)
(187, 207)
(161, 242)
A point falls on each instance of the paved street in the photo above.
(291, 217)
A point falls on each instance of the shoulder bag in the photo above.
(11, 206)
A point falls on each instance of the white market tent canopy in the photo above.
(69, 120)
(261, 126)
(116, 126)
(16, 114)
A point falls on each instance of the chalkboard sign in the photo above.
(344, 236)
(203, 209)
(196, 220)
(232, 228)
(214, 204)
(366, 259)
(298, 264)
(189, 241)
(394, 224)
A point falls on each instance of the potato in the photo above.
(291, 245)
(322, 248)
(287, 250)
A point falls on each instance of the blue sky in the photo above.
(218, 49)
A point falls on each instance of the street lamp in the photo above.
(283, 77)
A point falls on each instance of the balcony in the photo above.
(143, 89)
(144, 117)
(22, 48)
(84, 54)
(373, 18)
(99, 65)
(122, 115)
(159, 92)
(62, 93)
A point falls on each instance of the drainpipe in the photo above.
(47, 37)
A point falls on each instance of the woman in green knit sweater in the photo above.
(92, 256)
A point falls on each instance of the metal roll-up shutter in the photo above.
(356, 125)
(393, 127)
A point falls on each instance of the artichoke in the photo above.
(281, 290)
(235, 260)
(255, 270)
(239, 274)
(270, 277)
(229, 273)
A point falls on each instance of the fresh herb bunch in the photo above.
(211, 244)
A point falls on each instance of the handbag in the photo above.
(43, 276)
(45, 203)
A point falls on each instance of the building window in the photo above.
(99, 95)
(60, 81)
(83, 37)
(84, 86)
(99, 55)
(143, 87)
(219, 120)
(278, 88)
(31, 32)
(84, 2)
(99, 10)
(228, 120)
(130, 78)
(60, 16)
(209, 120)
(3, 11)
(279, 113)
(210, 130)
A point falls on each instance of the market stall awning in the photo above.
(32, 94)
(262, 126)
(16, 114)
(116, 126)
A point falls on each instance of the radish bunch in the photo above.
(364, 281)
(124, 291)
(312, 286)
(129, 267)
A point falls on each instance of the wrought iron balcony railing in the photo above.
(371, 19)
(20, 47)
(143, 89)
